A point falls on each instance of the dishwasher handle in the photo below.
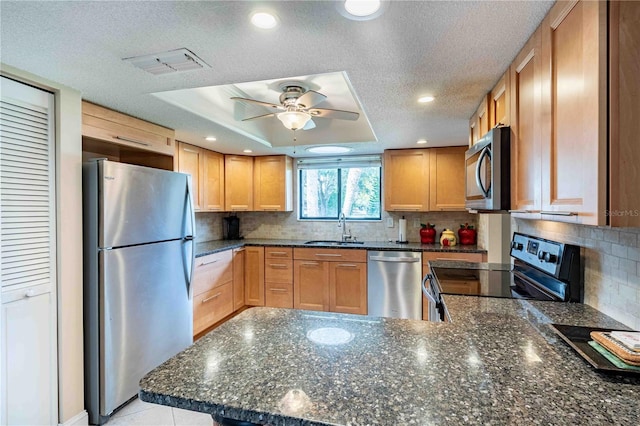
(426, 291)
(395, 259)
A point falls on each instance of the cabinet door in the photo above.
(525, 127)
(483, 117)
(624, 113)
(348, 287)
(574, 139)
(28, 361)
(238, 180)
(238, 278)
(211, 271)
(212, 306)
(213, 178)
(273, 183)
(190, 162)
(499, 103)
(254, 276)
(311, 285)
(447, 179)
(406, 180)
(474, 130)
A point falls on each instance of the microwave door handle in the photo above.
(485, 152)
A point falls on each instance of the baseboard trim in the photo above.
(80, 419)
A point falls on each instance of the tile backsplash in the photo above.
(611, 258)
(281, 225)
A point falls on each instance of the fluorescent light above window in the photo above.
(328, 149)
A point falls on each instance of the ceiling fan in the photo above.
(296, 108)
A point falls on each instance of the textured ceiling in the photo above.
(454, 50)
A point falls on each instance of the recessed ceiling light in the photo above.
(362, 7)
(425, 99)
(264, 20)
(421, 141)
(248, 151)
(329, 149)
(210, 138)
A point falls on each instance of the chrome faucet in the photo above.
(342, 223)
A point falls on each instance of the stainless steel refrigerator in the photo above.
(138, 262)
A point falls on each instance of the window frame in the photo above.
(336, 166)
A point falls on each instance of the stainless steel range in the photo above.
(542, 270)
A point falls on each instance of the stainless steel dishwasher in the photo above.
(394, 284)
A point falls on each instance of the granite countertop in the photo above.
(210, 247)
(499, 362)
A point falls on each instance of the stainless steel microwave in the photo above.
(487, 172)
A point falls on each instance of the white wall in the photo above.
(69, 244)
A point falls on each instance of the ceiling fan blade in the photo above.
(310, 98)
(310, 125)
(334, 113)
(267, 104)
(259, 116)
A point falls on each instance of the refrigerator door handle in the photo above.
(190, 235)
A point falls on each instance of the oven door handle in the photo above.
(426, 291)
(486, 152)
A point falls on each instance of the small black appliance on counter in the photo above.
(231, 228)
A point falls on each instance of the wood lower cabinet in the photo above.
(332, 280)
(212, 290)
(254, 276)
(406, 180)
(273, 183)
(446, 179)
(278, 277)
(238, 277)
(238, 177)
(348, 287)
(465, 257)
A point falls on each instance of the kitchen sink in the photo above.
(331, 243)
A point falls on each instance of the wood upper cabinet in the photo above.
(348, 287)
(499, 106)
(624, 113)
(273, 183)
(480, 121)
(238, 177)
(406, 180)
(207, 175)
(526, 122)
(254, 276)
(238, 277)
(574, 113)
(446, 179)
(103, 124)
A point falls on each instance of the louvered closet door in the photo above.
(27, 256)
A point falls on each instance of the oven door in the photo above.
(478, 170)
(435, 309)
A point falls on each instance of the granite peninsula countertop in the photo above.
(210, 247)
(499, 362)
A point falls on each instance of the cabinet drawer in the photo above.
(465, 257)
(278, 253)
(212, 270)
(330, 255)
(278, 295)
(212, 306)
(278, 271)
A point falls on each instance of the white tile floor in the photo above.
(140, 413)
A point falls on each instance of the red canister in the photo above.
(467, 235)
(427, 233)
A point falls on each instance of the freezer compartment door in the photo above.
(147, 314)
(140, 205)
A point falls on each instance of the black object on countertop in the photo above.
(231, 228)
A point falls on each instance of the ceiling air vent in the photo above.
(167, 62)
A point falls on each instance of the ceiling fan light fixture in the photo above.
(294, 120)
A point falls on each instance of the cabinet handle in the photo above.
(524, 211)
(347, 265)
(210, 262)
(559, 213)
(279, 290)
(29, 293)
(278, 265)
(453, 258)
(131, 140)
(309, 264)
(278, 253)
(211, 297)
(328, 255)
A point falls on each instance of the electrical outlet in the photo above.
(389, 222)
(416, 223)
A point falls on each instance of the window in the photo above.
(330, 186)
